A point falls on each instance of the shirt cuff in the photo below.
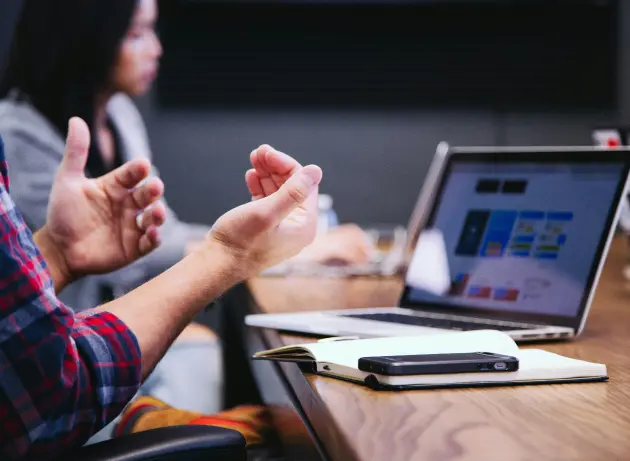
(113, 353)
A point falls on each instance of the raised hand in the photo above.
(99, 225)
(280, 220)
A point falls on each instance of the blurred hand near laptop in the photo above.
(346, 244)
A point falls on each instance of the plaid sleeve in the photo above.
(62, 376)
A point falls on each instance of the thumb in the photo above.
(77, 147)
(295, 191)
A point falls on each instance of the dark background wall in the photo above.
(234, 78)
(9, 10)
(374, 155)
(374, 162)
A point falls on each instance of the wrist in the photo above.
(55, 260)
(229, 263)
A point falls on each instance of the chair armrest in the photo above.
(190, 443)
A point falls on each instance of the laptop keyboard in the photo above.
(447, 324)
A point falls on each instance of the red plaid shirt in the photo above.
(62, 376)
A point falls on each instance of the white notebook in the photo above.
(339, 358)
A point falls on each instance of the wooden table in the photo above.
(343, 421)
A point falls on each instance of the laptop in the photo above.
(509, 239)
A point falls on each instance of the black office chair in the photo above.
(189, 443)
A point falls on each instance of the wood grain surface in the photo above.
(546, 422)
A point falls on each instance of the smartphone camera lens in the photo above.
(500, 366)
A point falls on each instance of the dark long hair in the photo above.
(62, 56)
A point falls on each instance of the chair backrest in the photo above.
(175, 443)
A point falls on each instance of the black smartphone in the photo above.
(475, 362)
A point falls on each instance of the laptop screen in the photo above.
(519, 237)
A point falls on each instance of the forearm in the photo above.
(54, 259)
(160, 309)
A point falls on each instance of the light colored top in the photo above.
(34, 149)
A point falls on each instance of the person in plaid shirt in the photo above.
(63, 376)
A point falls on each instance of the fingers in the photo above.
(149, 241)
(152, 217)
(264, 176)
(358, 254)
(344, 245)
(126, 176)
(350, 253)
(295, 192)
(273, 167)
(77, 148)
(149, 222)
(354, 235)
(253, 184)
(148, 193)
(268, 159)
(342, 258)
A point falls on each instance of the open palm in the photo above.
(102, 224)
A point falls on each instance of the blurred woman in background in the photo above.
(88, 58)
